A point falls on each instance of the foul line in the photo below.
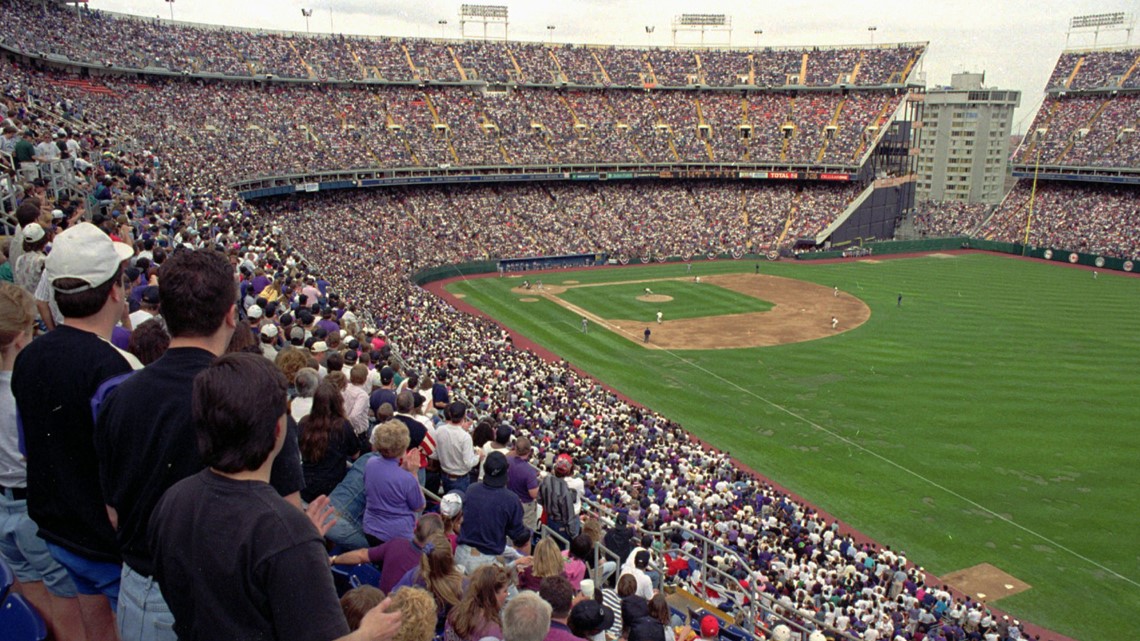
(907, 470)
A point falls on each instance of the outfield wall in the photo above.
(887, 248)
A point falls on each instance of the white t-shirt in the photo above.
(140, 317)
(13, 470)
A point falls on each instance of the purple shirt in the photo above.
(259, 283)
(521, 478)
(395, 558)
(328, 325)
(121, 337)
(392, 497)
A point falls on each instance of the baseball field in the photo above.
(988, 424)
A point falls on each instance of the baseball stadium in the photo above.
(708, 276)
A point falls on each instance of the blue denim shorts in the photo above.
(26, 552)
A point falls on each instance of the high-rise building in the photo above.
(964, 141)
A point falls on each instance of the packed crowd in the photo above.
(324, 294)
(302, 129)
(100, 38)
(1087, 218)
(1087, 130)
(1098, 70)
(934, 219)
(1096, 130)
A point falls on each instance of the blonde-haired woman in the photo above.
(43, 581)
(546, 561)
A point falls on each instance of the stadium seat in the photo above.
(7, 578)
(348, 577)
(19, 621)
(735, 633)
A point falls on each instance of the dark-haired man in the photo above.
(454, 449)
(144, 435)
(491, 514)
(233, 557)
(64, 498)
(557, 591)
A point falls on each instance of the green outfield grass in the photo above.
(992, 418)
(689, 300)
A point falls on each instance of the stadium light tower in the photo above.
(1097, 22)
(308, 13)
(872, 31)
(758, 33)
(550, 33)
(649, 35)
(442, 28)
(718, 25)
(171, 3)
(484, 14)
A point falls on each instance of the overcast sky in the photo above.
(1015, 42)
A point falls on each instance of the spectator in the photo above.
(438, 574)
(590, 620)
(327, 443)
(491, 513)
(142, 453)
(149, 341)
(398, 556)
(221, 559)
(637, 623)
(522, 479)
(306, 381)
(477, 614)
(29, 266)
(546, 562)
(42, 580)
(393, 494)
(417, 612)
(358, 601)
(659, 610)
(526, 618)
(455, 449)
(64, 495)
(557, 499)
(557, 592)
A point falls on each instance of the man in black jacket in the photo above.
(619, 540)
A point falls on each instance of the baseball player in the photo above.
(834, 322)
(658, 317)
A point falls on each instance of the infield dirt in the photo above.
(801, 312)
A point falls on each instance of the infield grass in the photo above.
(993, 418)
(620, 300)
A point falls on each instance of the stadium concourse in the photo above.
(325, 278)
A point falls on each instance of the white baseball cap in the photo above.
(269, 331)
(33, 233)
(451, 504)
(255, 311)
(85, 253)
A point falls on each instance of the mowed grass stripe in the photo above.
(1008, 382)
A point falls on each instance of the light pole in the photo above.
(549, 33)
(758, 33)
(872, 31)
(442, 29)
(308, 13)
(171, 3)
(649, 29)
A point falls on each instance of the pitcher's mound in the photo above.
(654, 298)
(986, 582)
